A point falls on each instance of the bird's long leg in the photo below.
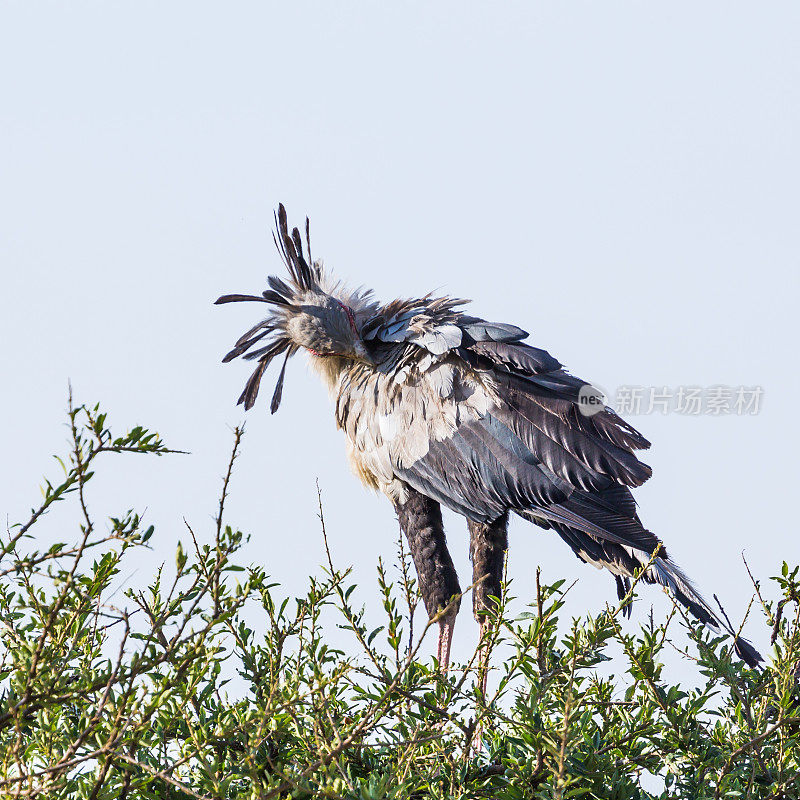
(421, 521)
(446, 625)
(483, 657)
(488, 543)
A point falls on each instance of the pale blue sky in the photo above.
(620, 179)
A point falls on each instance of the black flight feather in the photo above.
(278, 393)
(292, 250)
(623, 587)
(281, 239)
(279, 286)
(282, 250)
(268, 325)
(238, 298)
(248, 396)
(269, 351)
(747, 652)
(298, 246)
(274, 297)
(240, 348)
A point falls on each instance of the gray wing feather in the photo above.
(428, 323)
(481, 330)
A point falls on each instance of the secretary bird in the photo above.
(442, 408)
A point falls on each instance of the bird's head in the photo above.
(326, 326)
(309, 312)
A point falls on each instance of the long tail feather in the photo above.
(604, 531)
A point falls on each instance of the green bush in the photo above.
(103, 701)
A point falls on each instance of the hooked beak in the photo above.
(360, 353)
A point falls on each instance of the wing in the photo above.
(516, 439)
(519, 439)
(428, 323)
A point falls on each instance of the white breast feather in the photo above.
(389, 420)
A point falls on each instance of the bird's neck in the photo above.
(330, 369)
